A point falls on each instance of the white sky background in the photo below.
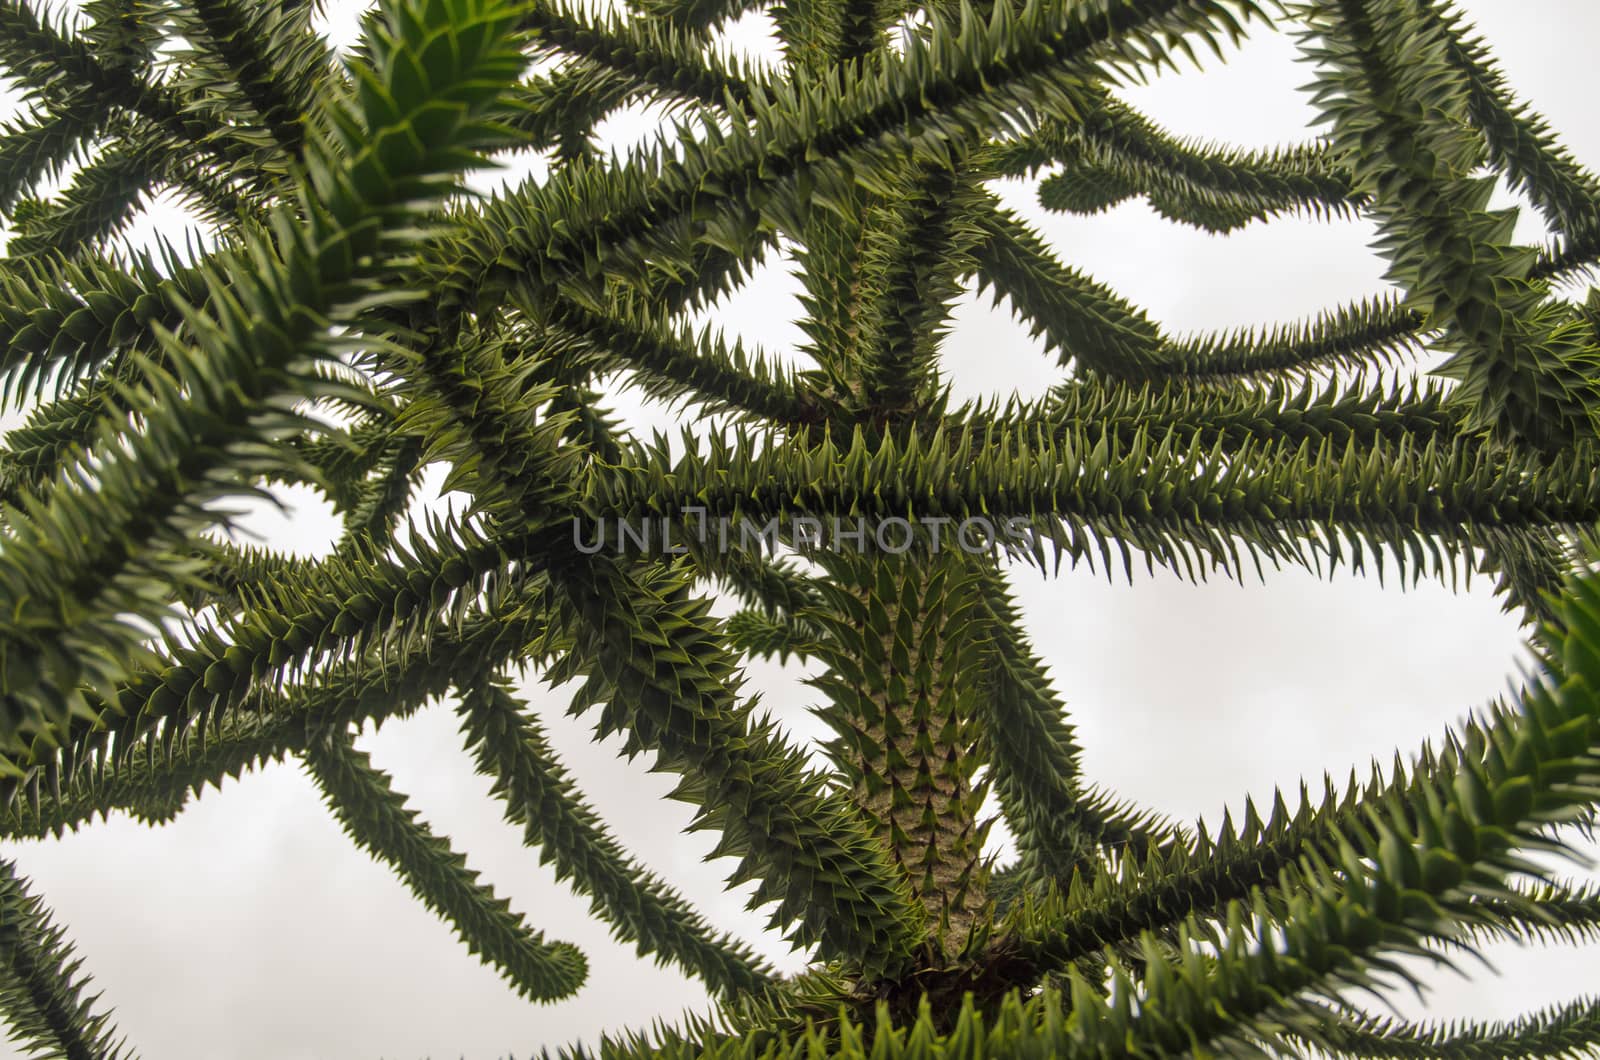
(252, 929)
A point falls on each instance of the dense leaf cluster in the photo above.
(356, 316)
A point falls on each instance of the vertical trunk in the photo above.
(902, 692)
(905, 662)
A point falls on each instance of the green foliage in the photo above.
(42, 983)
(356, 316)
(376, 818)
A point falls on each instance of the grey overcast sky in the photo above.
(251, 929)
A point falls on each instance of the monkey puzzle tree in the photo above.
(361, 317)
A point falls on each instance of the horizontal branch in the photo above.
(1168, 493)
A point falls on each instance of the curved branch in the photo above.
(543, 801)
(375, 816)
